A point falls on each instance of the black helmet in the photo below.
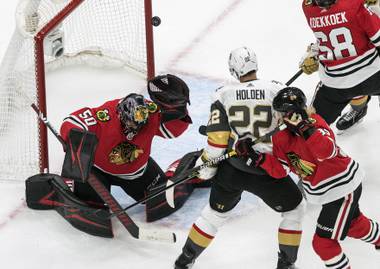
(133, 113)
(324, 3)
(289, 99)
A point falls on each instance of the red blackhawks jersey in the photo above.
(116, 154)
(347, 36)
(327, 173)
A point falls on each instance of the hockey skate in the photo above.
(185, 260)
(350, 118)
(283, 262)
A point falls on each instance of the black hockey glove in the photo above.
(297, 124)
(244, 149)
(172, 95)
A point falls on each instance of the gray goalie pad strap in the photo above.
(48, 191)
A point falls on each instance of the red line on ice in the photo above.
(13, 214)
(205, 32)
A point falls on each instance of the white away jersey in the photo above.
(247, 110)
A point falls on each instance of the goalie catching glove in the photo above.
(172, 95)
(309, 62)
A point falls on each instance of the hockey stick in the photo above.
(48, 125)
(293, 78)
(107, 197)
(193, 172)
(170, 193)
(178, 179)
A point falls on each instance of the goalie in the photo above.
(123, 130)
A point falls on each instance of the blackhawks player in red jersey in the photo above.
(329, 177)
(346, 54)
(123, 130)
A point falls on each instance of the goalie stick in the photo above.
(107, 197)
(193, 172)
(180, 178)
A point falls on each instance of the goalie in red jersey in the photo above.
(346, 54)
(330, 178)
(113, 143)
(125, 129)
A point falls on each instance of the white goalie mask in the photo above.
(242, 61)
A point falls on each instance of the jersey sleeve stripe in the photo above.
(216, 145)
(166, 133)
(219, 138)
(376, 38)
(76, 121)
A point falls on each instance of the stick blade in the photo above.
(157, 235)
(169, 194)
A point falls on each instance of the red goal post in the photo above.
(55, 33)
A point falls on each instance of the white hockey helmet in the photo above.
(242, 61)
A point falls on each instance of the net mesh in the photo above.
(103, 33)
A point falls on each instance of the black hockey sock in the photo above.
(190, 252)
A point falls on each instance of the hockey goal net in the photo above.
(54, 33)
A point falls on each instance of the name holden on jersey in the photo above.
(250, 94)
(333, 19)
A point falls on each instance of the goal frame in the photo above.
(40, 68)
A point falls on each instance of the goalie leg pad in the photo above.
(38, 190)
(48, 191)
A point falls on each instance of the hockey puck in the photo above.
(202, 130)
(156, 21)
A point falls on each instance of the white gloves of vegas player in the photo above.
(309, 62)
(208, 172)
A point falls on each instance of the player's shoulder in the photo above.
(270, 86)
(349, 5)
(106, 112)
(281, 138)
(357, 3)
(228, 88)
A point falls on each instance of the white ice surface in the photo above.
(193, 41)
